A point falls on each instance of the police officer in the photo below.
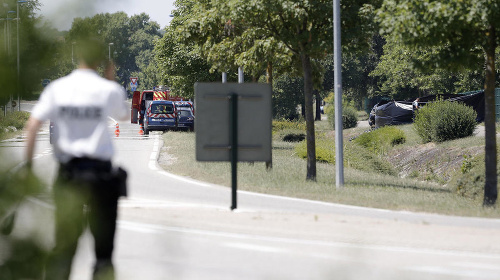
(85, 190)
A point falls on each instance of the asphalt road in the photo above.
(173, 227)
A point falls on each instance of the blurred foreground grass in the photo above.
(287, 178)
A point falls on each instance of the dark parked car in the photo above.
(186, 119)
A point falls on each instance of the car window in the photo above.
(162, 109)
(185, 113)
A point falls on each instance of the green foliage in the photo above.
(349, 116)
(379, 141)
(289, 131)
(253, 34)
(360, 158)
(470, 181)
(289, 36)
(16, 186)
(294, 137)
(15, 119)
(287, 95)
(356, 81)
(401, 77)
(132, 45)
(24, 259)
(458, 27)
(466, 164)
(180, 64)
(444, 120)
(279, 125)
(38, 50)
(325, 150)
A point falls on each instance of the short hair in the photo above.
(92, 51)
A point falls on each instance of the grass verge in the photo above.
(287, 178)
(12, 124)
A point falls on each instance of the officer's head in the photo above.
(91, 51)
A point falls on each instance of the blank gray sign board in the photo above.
(212, 124)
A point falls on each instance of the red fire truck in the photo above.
(142, 100)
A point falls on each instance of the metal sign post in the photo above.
(233, 123)
(339, 144)
(233, 115)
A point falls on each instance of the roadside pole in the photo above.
(241, 75)
(233, 115)
(339, 145)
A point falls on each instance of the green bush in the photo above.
(289, 135)
(381, 140)
(444, 120)
(294, 137)
(14, 119)
(349, 116)
(325, 149)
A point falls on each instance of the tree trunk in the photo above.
(269, 70)
(318, 106)
(490, 184)
(310, 134)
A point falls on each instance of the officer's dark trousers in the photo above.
(81, 197)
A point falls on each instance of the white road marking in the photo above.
(477, 266)
(152, 228)
(473, 274)
(153, 165)
(259, 248)
(150, 203)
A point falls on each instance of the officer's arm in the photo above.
(32, 127)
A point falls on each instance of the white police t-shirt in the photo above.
(79, 104)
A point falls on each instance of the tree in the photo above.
(357, 83)
(132, 42)
(305, 29)
(38, 49)
(253, 33)
(464, 32)
(180, 63)
(287, 95)
(402, 78)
